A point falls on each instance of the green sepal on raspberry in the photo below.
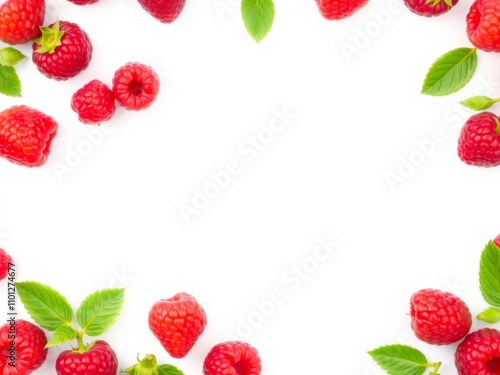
(50, 39)
(149, 366)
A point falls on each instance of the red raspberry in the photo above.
(496, 240)
(439, 318)
(83, 2)
(232, 358)
(5, 259)
(177, 322)
(339, 9)
(26, 135)
(135, 86)
(428, 8)
(165, 11)
(20, 20)
(99, 359)
(94, 103)
(29, 350)
(479, 353)
(479, 141)
(483, 25)
(63, 50)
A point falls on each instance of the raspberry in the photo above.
(5, 259)
(83, 2)
(479, 353)
(177, 322)
(98, 359)
(483, 25)
(479, 141)
(94, 103)
(135, 86)
(63, 51)
(165, 11)
(339, 9)
(428, 8)
(438, 317)
(20, 20)
(26, 135)
(232, 358)
(30, 351)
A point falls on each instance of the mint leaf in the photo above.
(45, 305)
(400, 359)
(258, 17)
(99, 311)
(450, 72)
(10, 56)
(61, 335)
(169, 370)
(479, 103)
(10, 84)
(490, 315)
(489, 274)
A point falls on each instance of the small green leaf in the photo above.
(45, 305)
(479, 103)
(99, 311)
(450, 72)
(10, 84)
(10, 56)
(491, 315)
(400, 359)
(489, 274)
(169, 370)
(258, 17)
(61, 335)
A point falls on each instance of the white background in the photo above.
(111, 217)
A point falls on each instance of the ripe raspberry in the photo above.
(177, 322)
(20, 20)
(5, 259)
(431, 8)
(483, 25)
(339, 9)
(94, 103)
(165, 11)
(99, 359)
(63, 50)
(232, 357)
(29, 352)
(496, 240)
(135, 86)
(439, 318)
(479, 353)
(479, 141)
(26, 135)
(83, 2)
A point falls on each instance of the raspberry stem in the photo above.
(497, 121)
(436, 366)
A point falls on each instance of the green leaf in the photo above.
(479, 103)
(45, 305)
(450, 72)
(10, 84)
(258, 17)
(61, 335)
(489, 274)
(99, 311)
(490, 315)
(169, 370)
(400, 359)
(10, 56)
